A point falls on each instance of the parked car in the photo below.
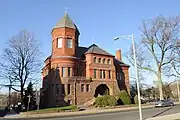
(164, 103)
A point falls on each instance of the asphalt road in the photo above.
(123, 115)
(126, 115)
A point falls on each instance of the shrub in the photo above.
(104, 101)
(124, 98)
(111, 100)
(101, 102)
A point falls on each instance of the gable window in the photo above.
(59, 43)
(104, 74)
(100, 74)
(99, 60)
(94, 59)
(69, 71)
(94, 73)
(108, 61)
(103, 61)
(69, 43)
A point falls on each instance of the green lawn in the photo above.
(60, 108)
(54, 110)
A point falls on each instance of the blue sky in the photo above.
(98, 19)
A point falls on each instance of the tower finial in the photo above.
(92, 39)
(66, 10)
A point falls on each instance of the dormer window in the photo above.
(59, 43)
(94, 59)
(108, 61)
(69, 43)
(103, 61)
(99, 60)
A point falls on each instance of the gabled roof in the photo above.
(117, 62)
(97, 50)
(81, 51)
(65, 22)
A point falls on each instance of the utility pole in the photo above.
(29, 100)
(177, 81)
(37, 99)
(131, 37)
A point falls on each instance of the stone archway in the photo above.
(101, 89)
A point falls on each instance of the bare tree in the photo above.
(176, 61)
(159, 38)
(20, 62)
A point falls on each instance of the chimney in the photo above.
(118, 55)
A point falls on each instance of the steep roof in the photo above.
(81, 51)
(117, 62)
(65, 21)
(97, 50)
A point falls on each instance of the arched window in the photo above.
(103, 61)
(108, 61)
(94, 59)
(69, 43)
(99, 60)
(59, 43)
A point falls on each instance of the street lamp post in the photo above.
(177, 82)
(131, 37)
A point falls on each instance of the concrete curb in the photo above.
(175, 116)
(71, 114)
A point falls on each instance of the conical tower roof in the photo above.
(65, 22)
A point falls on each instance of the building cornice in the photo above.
(72, 57)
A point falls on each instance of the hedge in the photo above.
(124, 98)
(106, 100)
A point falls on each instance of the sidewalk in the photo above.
(85, 112)
(175, 116)
(92, 111)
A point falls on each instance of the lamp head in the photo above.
(116, 38)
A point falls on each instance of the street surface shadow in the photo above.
(2, 112)
(162, 112)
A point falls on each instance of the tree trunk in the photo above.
(160, 85)
(22, 97)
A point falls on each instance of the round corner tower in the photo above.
(64, 38)
(64, 46)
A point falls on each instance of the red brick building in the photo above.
(75, 75)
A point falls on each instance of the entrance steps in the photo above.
(88, 103)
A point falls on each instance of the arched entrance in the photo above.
(102, 89)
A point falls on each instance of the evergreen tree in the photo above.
(29, 92)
